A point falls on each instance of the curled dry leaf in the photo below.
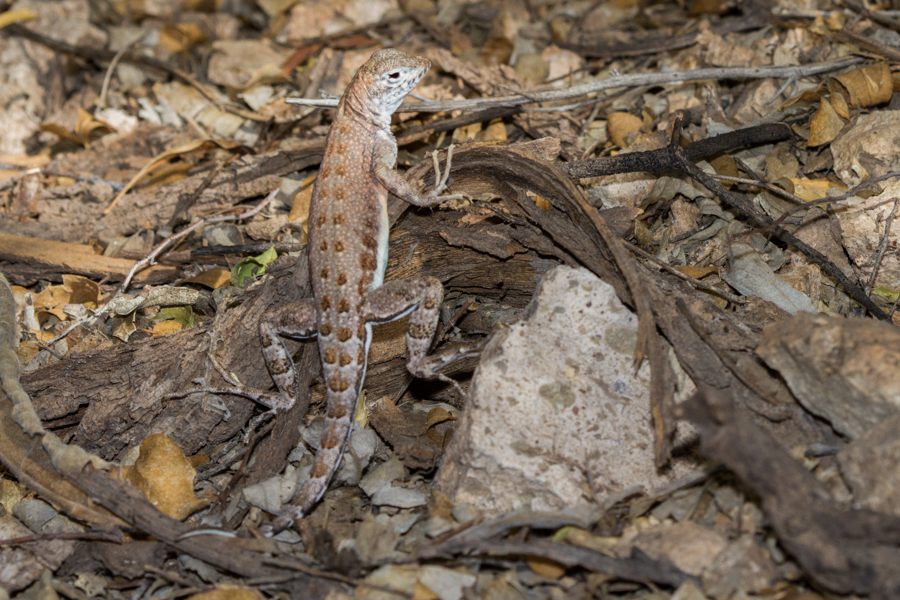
(165, 477)
(838, 101)
(868, 86)
(86, 129)
(825, 125)
(16, 16)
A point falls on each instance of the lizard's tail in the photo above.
(338, 421)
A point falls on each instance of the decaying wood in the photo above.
(845, 551)
(27, 260)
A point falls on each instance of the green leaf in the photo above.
(886, 293)
(181, 314)
(252, 266)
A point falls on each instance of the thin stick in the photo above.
(149, 260)
(617, 81)
(691, 280)
(882, 247)
(104, 89)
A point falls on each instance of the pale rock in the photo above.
(870, 147)
(555, 404)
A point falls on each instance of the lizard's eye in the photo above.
(393, 77)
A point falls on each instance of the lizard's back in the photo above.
(347, 252)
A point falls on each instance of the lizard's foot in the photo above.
(275, 402)
(429, 367)
(441, 180)
(288, 516)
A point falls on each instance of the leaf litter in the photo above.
(749, 455)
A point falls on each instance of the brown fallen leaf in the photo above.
(226, 593)
(180, 37)
(165, 477)
(86, 129)
(869, 85)
(621, 126)
(212, 278)
(825, 125)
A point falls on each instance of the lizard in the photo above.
(347, 246)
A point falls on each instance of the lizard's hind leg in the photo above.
(295, 320)
(419, 297)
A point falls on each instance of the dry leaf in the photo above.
(82, 290)
(191, 146)
(16, 16)
(22, 160)
(495, 132)
(84, 131)
(300, 207)
(422, 592)
(167, 326)
(438, 415)
(181, 37)
(540, 202)
(725, 165)
(869, 85)
(265, 75)
(812, 189)
(838, 102)
(805, 97)
(545, 567)
(468, 132)
(825, 125)
(212, 278)
(621, 126)
(698, 272)
(165, 477)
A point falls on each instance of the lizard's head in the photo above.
(390, 75)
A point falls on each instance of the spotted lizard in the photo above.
(348, 242)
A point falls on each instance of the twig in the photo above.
(762, 184)
(882, 247)
(691, 280)
(618, 81)
(104, 89)
(877, 16)
(149, 260)
(104, 536)
(681, 162)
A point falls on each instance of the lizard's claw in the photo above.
(441, 179)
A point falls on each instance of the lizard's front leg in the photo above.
(419, 297)
(385, 159)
